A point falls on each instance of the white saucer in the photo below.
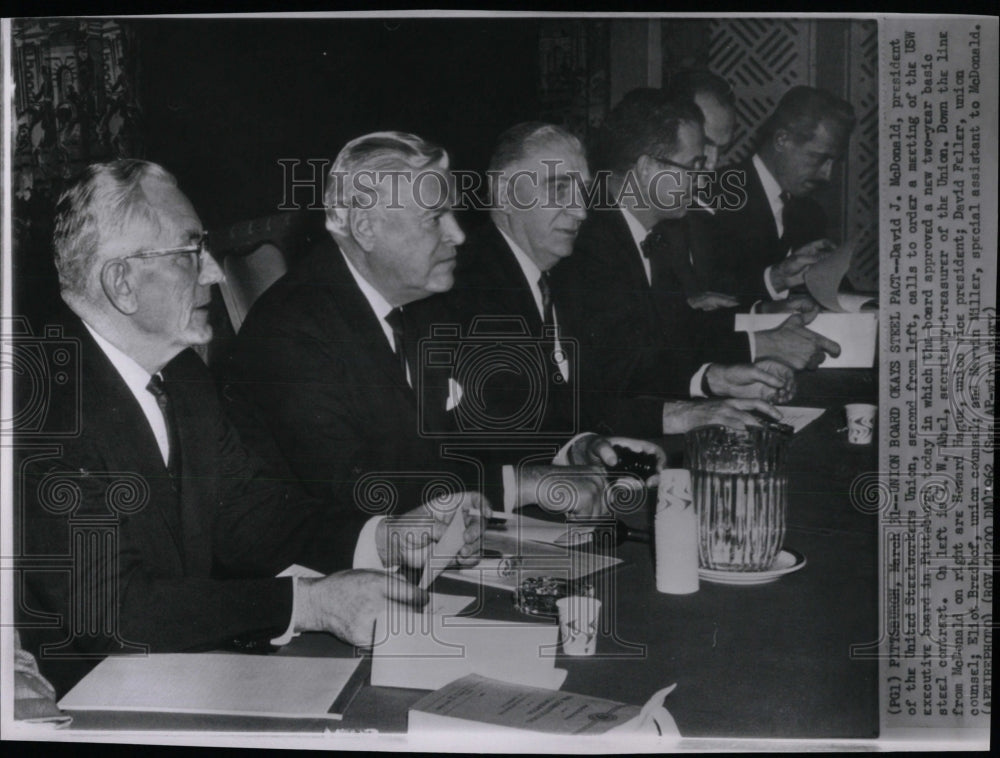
(787, 562)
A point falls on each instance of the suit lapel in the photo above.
(129, 443)
(372, 345)
(509, 276)
(630, 256)
(759, 207)
(194, 432)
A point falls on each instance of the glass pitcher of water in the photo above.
(740, 489)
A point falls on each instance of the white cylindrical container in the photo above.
(675, 526)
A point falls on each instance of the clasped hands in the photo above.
(792, 270)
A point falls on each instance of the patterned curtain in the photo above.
(74, 103)
(574, 81)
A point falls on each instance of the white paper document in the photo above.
(443, 552)
(481, 705)
(221, 683)
(799, 417)
(429, 651)
(447, 605)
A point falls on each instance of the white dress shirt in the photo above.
(136, 378)
(532, 273)
(639, 233)
(380, 307)
(772, 191)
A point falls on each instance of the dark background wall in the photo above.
(225, 100)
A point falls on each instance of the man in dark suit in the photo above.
(515, 358)
(326, 377)
(693, 240)
(763, 247)
(165, 535)
(630, 323)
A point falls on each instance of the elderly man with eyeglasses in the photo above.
(171, 537)
(619, 304)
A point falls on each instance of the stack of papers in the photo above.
(481, 705)
(220, 683)
(429, 651)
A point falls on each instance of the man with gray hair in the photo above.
(326, 380)
(174, 536)
(515, 358)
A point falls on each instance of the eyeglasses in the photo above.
(198, 249)
(697, 164)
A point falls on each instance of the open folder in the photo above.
(220, 683)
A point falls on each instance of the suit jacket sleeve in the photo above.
(264, 524)
(158, 605)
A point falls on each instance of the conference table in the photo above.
(786, 659)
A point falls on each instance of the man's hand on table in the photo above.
(792, 270)
(347, 603)
(710, 301)
(795, 345)
(579, 491)
(797, 303)
(597, 450)
(764, 380)
(684, 415)
(407, 539)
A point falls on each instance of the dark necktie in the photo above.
(667, 292)
(158, 390)
(549, 329)
(396, 320)
(787, 216)
(656, 250)
(547, 313)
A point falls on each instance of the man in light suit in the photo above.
(326, 378)
(172, 534)
(630, 324)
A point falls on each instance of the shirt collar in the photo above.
(638, 231)
(378, 303)
(528, 266)
(134, 375)
(772, 190)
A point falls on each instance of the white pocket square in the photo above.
(454, 395)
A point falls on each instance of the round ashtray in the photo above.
(537, 595)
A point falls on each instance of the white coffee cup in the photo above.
(578, 618)
(860, 422)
